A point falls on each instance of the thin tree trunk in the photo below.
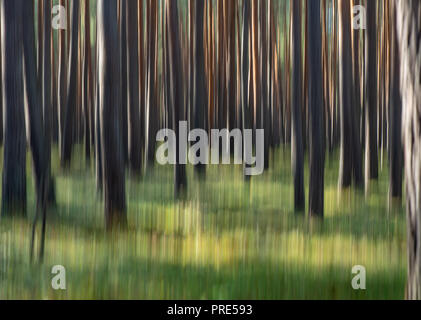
(71, 101)
(135, 160)
(297, 157)
(371, 152)
(316, 145)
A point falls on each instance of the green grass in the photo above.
(227, 240)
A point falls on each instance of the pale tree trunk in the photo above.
(408, 33)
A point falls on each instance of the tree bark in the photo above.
(109, 101)
(180, 178)
(135, 160)
(409, 30)
(71, 100)
(371, 153)
(316, 144)
(14, 160)
(297, 157)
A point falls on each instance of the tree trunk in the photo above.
(135, 160)
(316, 145)
(109, 102)
(151, 100)
(71, 100)
(409, 30)
(395, 121)
(180, 181)
(14, 155)
(371, 153)
(62, 81)
(297, 157)
(200, 95)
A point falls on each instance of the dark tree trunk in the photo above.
(297, 157)
(200, 95)
(371, 156)
(124, 67)
(151, 97)
(245, 76)
(180, 181)
(47, 98)
(316, 145)
(409, 31)
(62, 94)
(71, 100)
(350, 149)
(135, 160)
(109, 101)
(14, 160)
(395, 122)
(87, 83)
(34, 102)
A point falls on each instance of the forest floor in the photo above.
(226, 240)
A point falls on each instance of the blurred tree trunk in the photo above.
(47, 98)
(151, 97)
(371, 152)
(200, 95)
(1, 96)
(34, 102)
(297, 156)
(124, 68)
(176, 84)
(71, 100)
(409, 30)
(87, 82)
(109, 102)
(350, 152)
(14, 154)
(245, 75)
(316, 145)
(62, 93)
(134, 143)
(395, 121)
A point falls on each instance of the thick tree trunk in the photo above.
(14, 160)
(109, 102)
(316, 145)
(350, 152)
(409, 31)
(71, 100)
(297, 156)
(34, 102)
